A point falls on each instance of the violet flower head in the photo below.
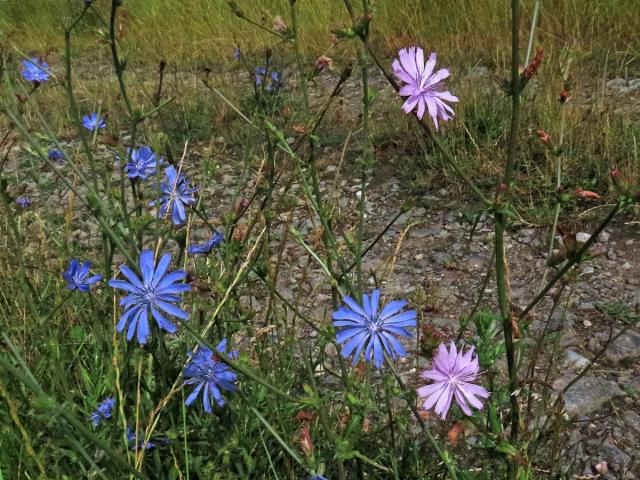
(103, 412)
(422, 86)
(366, 326)
(23, 202)
(260, 73)
(453, 375)
(55, 154)
(76, 276)
(203, 248)
(176, 193)
(236, 53)
(142, 163)
(210, 375)
(141, 444)
(155, 293)
(93, 121)
(34, 70)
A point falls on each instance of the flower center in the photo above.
(149, 294)
(374, 325)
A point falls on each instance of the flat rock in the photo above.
(429, 231)
(625, 348)
(587, 394)
(574, 361)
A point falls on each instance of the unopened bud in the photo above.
(534, 65)
(543, 136)
(587, 194)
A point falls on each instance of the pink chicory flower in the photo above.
(422, 86)
(453, 375)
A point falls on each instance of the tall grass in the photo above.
(191, 32)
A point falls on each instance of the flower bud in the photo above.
(534, 65)
(587, 194)
(322, 63)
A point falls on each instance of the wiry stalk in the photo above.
(501, 207)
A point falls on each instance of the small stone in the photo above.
(604, 236)
(443, 259)
(601, 467)
(587, 323)
(419, 257)
(632, 419)
(625, 348)
(330, 350)
(475, 262)
(626, 266)
(582, 237)
(587, 395)
(423, 232)
(574, 361)
(588, 270)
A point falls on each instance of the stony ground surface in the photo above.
(434, 256)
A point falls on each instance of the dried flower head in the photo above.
(279, 24)
(322, 63)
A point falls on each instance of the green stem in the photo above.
(444, 456)
(65, 413)
(448, 157)
(299, 59)
(572, 261)
(502, 274)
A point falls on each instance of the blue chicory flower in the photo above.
(236, 53)
(365, 326)
(203, 248)
(142, 163)
(157, 291)
(55, 154)
(176, 193)
(271, 84)
(274, 84)
(23, 202)
(260, 73)
(35, 70)
(76, 276)
(93, 121)
(318, 477)
(208, 373)
(103, 412)
(141, 445)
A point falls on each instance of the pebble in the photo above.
(588, 394)
(582, 237)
